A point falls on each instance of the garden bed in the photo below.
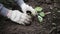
(50, 24)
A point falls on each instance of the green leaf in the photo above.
(40, 18)
(38, 9)
(42, 14)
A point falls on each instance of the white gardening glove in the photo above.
(17, 16)
(26, 8)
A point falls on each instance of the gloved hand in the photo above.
(26, 9)
(17, 16)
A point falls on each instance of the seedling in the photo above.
(40, 18)
(40, 13)
(38, 9)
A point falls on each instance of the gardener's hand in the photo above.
(28, 9)
(17, 16)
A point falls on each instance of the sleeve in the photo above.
(19, 2)
(3, 10)
(1, 6)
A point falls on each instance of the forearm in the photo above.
(3, 10)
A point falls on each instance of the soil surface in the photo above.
(50, 25)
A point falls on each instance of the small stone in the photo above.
(58, 11)
(53, 23)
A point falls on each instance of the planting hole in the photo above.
(28, 12)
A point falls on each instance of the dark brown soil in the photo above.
(50, 25)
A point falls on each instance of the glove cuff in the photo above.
(23, 5)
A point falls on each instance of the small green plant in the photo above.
(40, 13)
(38, 9)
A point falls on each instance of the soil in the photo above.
(50, 25)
